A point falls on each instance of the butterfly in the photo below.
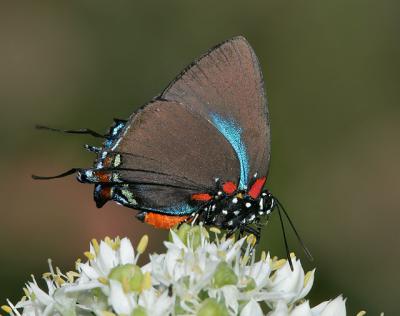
(199, 152)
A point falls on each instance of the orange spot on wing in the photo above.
(201, 197)
(229, 187)
(163, 221)
(256, 188)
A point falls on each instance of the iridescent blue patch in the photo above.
(114, 133)
(233, 133)
(181, 209)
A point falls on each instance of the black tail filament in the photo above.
(72, 131)
(62, 175)
(67, 131)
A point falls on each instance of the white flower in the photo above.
(54, 301)
(121, 302)
(289, 285)
(281, 309)
(336, 307)
(302, 310)
(156, 304)
(252, 308)
(195, 276)
(107, 255)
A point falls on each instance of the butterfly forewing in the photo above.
(225, 86)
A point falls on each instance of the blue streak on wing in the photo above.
(233, 133)
(181, 209)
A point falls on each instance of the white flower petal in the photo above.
(316, 310)
(177, 242)
(49, 310)
(259, 272)
(336, 307)
(156, 305)
(288, 281)
(106, 258)
(118, 299)
(231, 293)
(307, 288)
(302, 310)
(252, 308)
(42, 296)
(83, 286)
(127, 254)
(281, 309)
(234, 250)
(89, 271)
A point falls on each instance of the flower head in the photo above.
(202, 272)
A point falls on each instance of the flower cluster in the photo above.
(201, 273)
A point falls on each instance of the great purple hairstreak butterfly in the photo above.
(198, 152)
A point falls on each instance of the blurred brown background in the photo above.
(332, 75)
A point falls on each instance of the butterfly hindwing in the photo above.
(172, 150)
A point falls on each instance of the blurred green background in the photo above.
(332, 75)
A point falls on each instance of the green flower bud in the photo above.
(130, 275)
(211, 307)
(183, 232)
(139, 311)
(195, 236)
(186, 281)
(250, 284)
(97, 292)
(203, 295)
(224, 275)
(178, 308)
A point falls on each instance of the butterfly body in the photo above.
(237, 211)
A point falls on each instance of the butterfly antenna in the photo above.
(62, 175)
(303, 245)
(284, 238)
(72, 131)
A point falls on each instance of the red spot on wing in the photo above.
(103, 176)
(107, 162)
(229, 187)
(106, 192)
(163, 221)
(201, 197)
(256, 188)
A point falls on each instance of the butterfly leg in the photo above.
(192, 219)
(255, 231)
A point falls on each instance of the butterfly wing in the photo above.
(169, 152)
(226, 87)
(211, 122)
